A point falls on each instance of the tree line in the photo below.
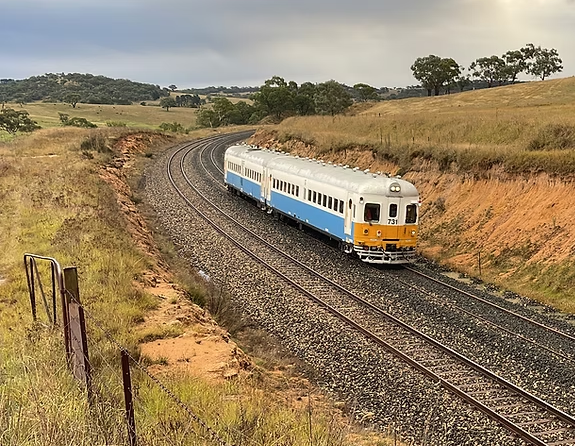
(436, 73)
(75, 87)
(278, 99)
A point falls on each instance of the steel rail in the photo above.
(494, 305)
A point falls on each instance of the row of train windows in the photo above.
(286, 187)
(325, 200)
(253, 175)
(372, 212)
(235, 167)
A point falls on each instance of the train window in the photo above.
(341, 206)
(274, 183)
(371, 212)
(297, 191)
(319, 198)
(309, 195)
(324, 200)
(314, 196)
(329, 202)
(411, 213)
(353, 210)
(292, 189)
(392, 210)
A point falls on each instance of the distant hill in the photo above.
(55, 87)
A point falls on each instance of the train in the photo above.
(371, 215)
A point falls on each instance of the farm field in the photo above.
(135, 115)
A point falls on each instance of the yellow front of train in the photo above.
(386, 223)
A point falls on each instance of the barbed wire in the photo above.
(214, 436)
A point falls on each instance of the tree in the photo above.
(449, 71)
(544, 62)
(167, 102)
(72, 99)
(433, 72)
(462, 81)
(489, 69)
(207, 118)
(172, 87)
(275, 98)
(515, 63)
(331, 98)
(366, 92)
(14, 121)
(304, 103)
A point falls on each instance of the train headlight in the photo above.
(413, 232)
(379, 233)
(366, 231)
(395, 187)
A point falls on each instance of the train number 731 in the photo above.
(392, 221)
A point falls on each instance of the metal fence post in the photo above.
(78, 359)
(130, 420)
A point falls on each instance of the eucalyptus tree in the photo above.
(331, 98)
(489, 69)
(433, 72)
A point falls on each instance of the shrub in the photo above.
(172, 127)
(115, 124)
(76, 121)
(95, 143)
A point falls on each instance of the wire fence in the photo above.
(108, 370)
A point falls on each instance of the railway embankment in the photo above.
(513, 229)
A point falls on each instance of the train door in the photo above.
(394, 214)
(266, 186)
(347, 217)
(242, 170)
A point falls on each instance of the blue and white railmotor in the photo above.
(370, 214)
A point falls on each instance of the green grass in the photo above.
(148, 117)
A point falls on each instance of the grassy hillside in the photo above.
(524, 128)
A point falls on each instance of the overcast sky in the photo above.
(194, 43)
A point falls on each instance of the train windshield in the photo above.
(371, 212)
(411, 214)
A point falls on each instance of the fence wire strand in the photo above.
(214, 436)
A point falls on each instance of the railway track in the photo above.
(563, 343)
(529, 417)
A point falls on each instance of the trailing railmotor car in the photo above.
(372, 215)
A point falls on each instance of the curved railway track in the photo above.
(566, 350)
(529, 417)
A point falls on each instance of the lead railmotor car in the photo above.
(372, 215)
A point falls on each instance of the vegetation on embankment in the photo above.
(56, 200)
(522, 128)
(494, 168)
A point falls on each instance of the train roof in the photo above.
(354, 180)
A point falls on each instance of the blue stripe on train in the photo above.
(313, 216)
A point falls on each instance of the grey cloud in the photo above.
(194, 43)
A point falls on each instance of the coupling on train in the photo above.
(372, 215)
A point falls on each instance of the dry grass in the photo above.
(53, 202)
(517, 126)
